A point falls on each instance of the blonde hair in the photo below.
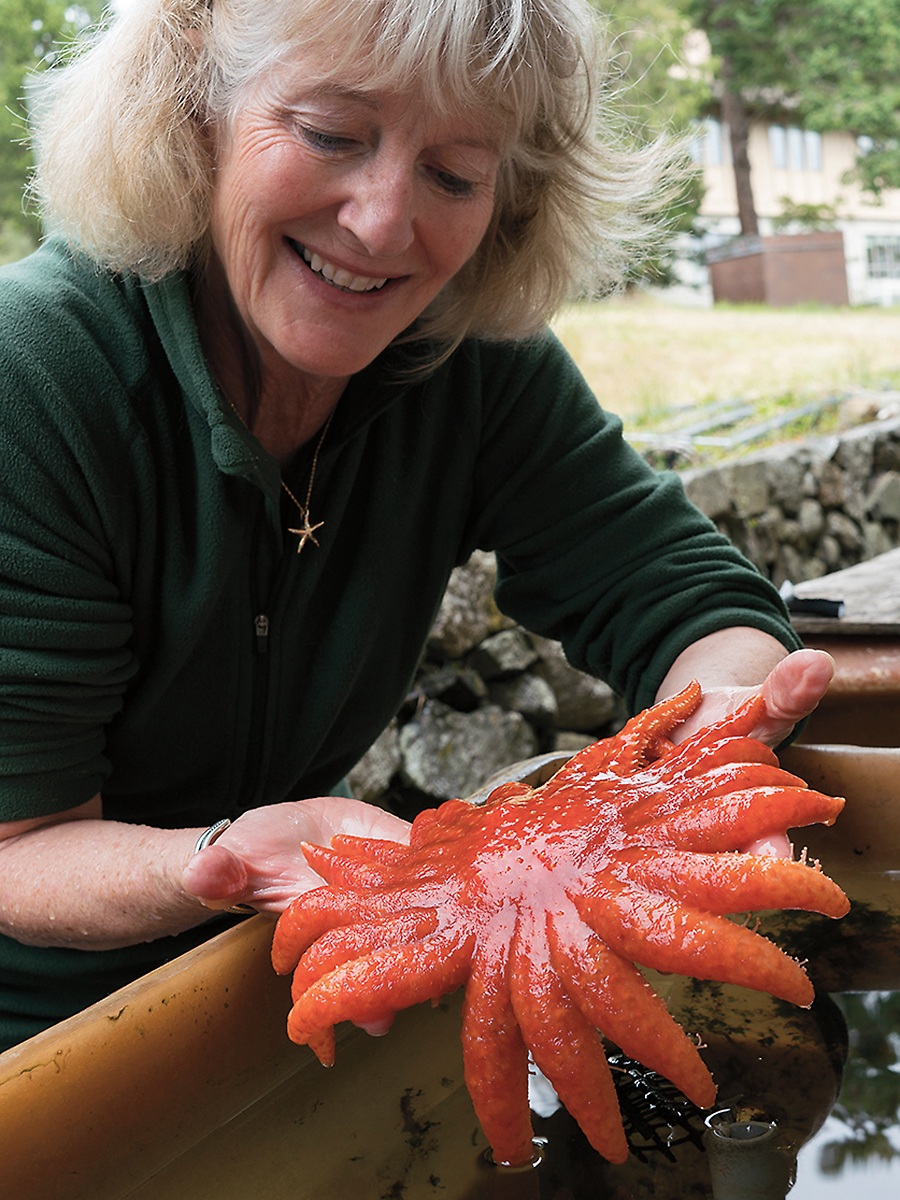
(125, 166)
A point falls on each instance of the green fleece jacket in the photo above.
(163, 644)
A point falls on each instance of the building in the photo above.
(795, 170)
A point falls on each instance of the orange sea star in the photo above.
(542, 901)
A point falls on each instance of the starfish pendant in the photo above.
(306, 533)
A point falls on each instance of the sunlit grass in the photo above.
(14, 243)
(645, 359)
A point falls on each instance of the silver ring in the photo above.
(206, 838)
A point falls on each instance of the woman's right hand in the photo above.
(258, 860)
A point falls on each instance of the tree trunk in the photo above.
(734, 115)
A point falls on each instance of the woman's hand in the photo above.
(732, 665)
(258, 859)
(792, 689)
(793, 686)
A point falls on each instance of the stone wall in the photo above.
(489, 694)
(486, 695)
(805, 509)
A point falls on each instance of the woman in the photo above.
(280, 369)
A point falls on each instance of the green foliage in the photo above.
(869, 1107)
(660, 91)
(848, 77)
(807, 218)
(836, 62)
(661, 97)
(34, 34)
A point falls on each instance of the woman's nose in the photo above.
(379, 211)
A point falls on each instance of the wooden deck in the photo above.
(862, 706)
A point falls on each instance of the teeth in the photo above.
(339, 277)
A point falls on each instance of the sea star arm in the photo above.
(350, 869)
(641, 740)
(372, 988)
(688, 761)
(563, 1043)
(495, 1060)
(731, 883)
(347, 942)
(376, 850)
(739, 818)
(616, 999)
(661, 933)
(313, 913)
(651, 796)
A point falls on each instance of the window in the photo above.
(795, 149)
(778, 146)
(707, 146)
(883, 257)
(812, 150)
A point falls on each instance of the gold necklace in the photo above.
(307, 530)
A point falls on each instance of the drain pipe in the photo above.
(747, 1160)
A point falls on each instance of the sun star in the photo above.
(544, 903)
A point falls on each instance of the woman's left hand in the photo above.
(792, 689)
(258, 859)
(792, 684)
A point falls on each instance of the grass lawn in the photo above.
(644, 357)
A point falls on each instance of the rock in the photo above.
(458, 687)
(503, 654)
(832, 486)
(371, 776)
(847, 532)
(886, 455)
(884, 498)
(790, 566)
(583, 702)
(856, 453)
(785, 481)
(748, 486)
(811, 520)
(529, 695)
(768, 531)
(468, 613)
(876, 540)
(830, 553)
(707, 490)
(447, 754)
(569, 741)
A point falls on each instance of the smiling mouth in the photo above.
(337, 277)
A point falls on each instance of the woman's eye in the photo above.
(454, 185)
(320, 139)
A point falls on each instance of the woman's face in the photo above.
(338, 216)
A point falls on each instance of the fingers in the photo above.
(376, 1028)
(216, 876)
(792, 689)
(259, 860)
(795, 686)
(330, 815)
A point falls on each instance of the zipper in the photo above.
(261, 665)
(261, 625)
